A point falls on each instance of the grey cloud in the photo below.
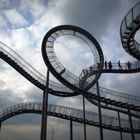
(94, 16)
(26, 118)
(34, 95)
(2, 67)
(22, 132)
(7, 98)
(8, 4)
(129, 83)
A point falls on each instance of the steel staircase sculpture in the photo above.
(70, 114)
(18, 63)
(109, 99)
(129, 27)
(55, 66)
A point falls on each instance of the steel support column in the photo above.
(119, 119)
(84, 117)
(99, 112)
(44, 110)
(131, 125)
(52, 134)
(71, 130)
(0, 126)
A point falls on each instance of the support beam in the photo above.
(131, 125)
(44, 110)
(121, 136)
(84, 117)
(99, 112)
(52, 134)
(71, 130)
(0, 126)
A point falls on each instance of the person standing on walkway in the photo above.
(129, 65)
(110, 65)
(105, 64)
(119, 65)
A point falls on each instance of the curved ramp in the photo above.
(73, 114)
(129, 27)
(31, 74)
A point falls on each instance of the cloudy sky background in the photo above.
(23, 24)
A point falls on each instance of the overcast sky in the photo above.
(23, 24)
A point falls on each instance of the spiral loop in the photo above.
(62, 73)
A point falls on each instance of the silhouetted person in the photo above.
(105, 65)
(110, 65)
(119, 64)
(129, 65)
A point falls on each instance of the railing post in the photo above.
(119, 119)
(125, 22)
(132, 14)
(131, 125)
(71, 130)
(44, 110)
(99, 112)
(84, 117)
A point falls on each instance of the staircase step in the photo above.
(127, 32)
(132, 47)
(125, 104)
(113, 101)
(134, 50)
(125, 37)
(138, 53)
(130, 28)
(120, 103)
(124, 41)
(60, 73)
(136, 21)
(107, 100)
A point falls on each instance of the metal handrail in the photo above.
(31, 70)
(128, 27)
(68, 111)
(106, 92)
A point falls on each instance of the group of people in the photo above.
(108, 65)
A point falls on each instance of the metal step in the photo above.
(130, 28)
(136, 21)
(127, 32)
(125, 37)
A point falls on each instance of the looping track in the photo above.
(109, 99)
(61, 72)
